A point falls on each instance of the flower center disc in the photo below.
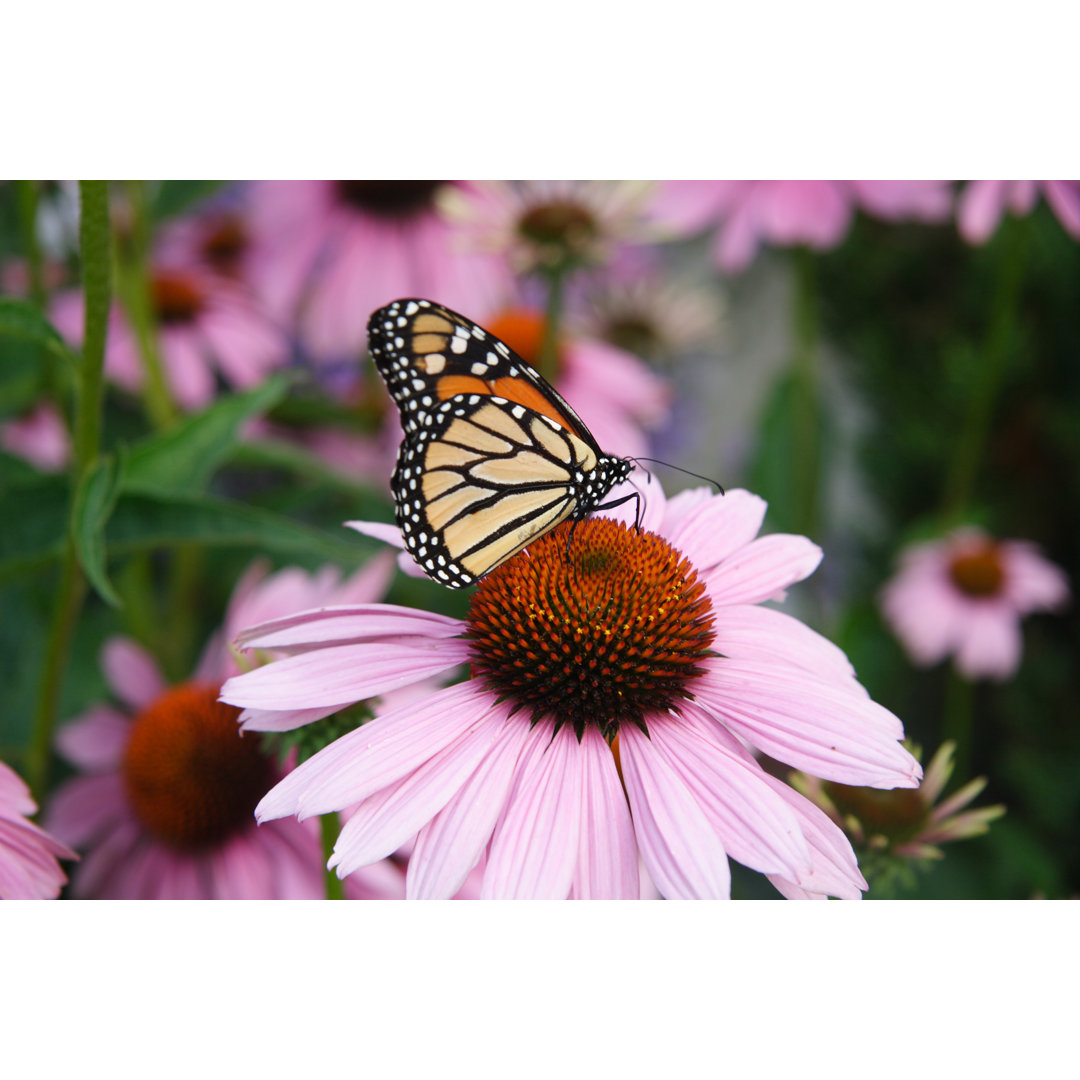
(978, 571)
(224, 243)
(388, 198)
(192, 780)
(177, 297)
(599, 627)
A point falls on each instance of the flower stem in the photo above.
(331, 827)
(806, 400)
(970, 444)
(959, 711)
(95, 248)
(27, 191)
(136, 298)
(548, 359)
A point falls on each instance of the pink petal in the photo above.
(1064, 199)
(751, 632)
(981, 205)
(382, 822)
(378, 530)
(378, 754)
(85, 808)
(607, 866)
(349, 623)
(340, 675)
(807, 723)
(95, 741)
(452, 843)
(534, 847)
(754, 825)
(131, 672)
(834, 869)
(1033, 583)
(289, 720)
(187, 369)
(680, 849)
(990, 644)
(717, 527)
(762, 569)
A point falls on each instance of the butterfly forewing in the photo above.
(492, 456)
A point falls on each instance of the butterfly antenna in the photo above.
(667, 464)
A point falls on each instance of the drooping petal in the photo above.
(383, 821)
(96, 740)
(754, 825)
(607, 866)
(808, 723)
(378, 754)
(681, 851)
(535, 844)
(451, 844)
(990, 644)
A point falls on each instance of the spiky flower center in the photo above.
(178, 297)
(192, 780)
(393, 199)
(596, 625)
(978, 571)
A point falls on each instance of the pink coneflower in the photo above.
(616, 395)
(617, 679)
(205, 325)
(28, 855)
(813, 213)
(40, 436)
(983, 202)
(553, 225)
(335, 250)
(164, 807)
(964, 596)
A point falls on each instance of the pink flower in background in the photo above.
(552, 225)
(964, 596)
(982, 202)
(205, 325)
(28, 855)
(814, 213)
(335, 250)
(616, 681)
(163, 808)
(40, 437)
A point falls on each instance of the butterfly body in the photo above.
(493, 457)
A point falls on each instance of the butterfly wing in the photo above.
(493, 457)
(427, 353)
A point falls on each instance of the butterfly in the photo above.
(493, 457)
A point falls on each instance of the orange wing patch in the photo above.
(518, 391)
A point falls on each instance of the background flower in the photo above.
(964, 596)
(982, 203)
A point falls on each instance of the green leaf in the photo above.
(143, 521)
(183, 459)
(95, 498)
(23, 321)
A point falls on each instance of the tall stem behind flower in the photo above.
(1000, 334)
(331, 827)
(806, 398)
(96, 255)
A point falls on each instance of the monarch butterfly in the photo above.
(493, 457)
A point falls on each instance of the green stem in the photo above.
(970, 444)
(547, 362)
(806, 398)
(97, 291)
(331, 827)
(135, 291)
(959, 712)
(27, 191)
